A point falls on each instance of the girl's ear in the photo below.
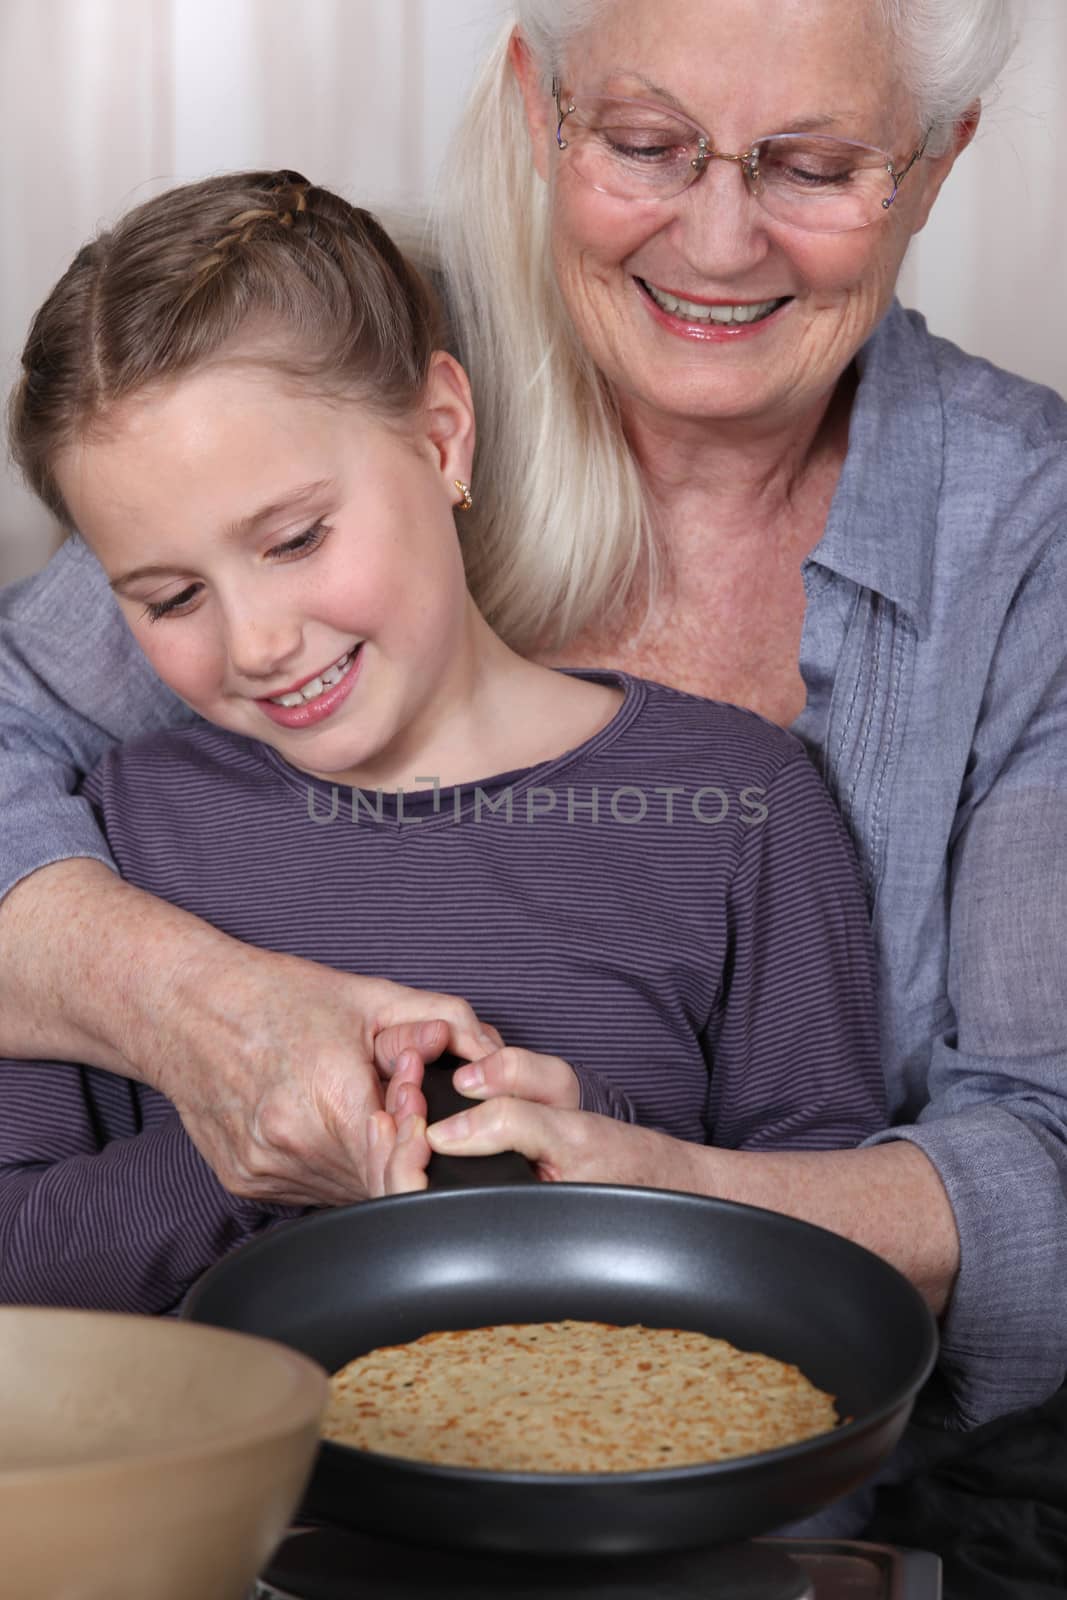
(448, 420)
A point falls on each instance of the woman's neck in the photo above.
(750, 473)
(737, 510)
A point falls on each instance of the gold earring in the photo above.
(465, 490)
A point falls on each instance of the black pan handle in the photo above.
(464, 1172)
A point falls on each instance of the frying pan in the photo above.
(346, 1281)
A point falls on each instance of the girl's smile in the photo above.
(304, 704)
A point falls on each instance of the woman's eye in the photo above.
(174, 605)
(817, 180)
(803, 168)
(635, 145)
(303, 544)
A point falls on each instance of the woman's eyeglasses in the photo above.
(638, 151)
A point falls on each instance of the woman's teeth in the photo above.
(691, 311)
(317, 686)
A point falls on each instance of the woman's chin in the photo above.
(683, 396)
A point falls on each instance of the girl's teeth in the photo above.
(310, 691)
(692, 312)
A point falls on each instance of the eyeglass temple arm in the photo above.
(898, 177)
(562, 115)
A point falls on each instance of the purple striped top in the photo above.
(673, 907)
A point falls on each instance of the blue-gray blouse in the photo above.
(935, 656)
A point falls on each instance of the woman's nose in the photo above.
(723, 226)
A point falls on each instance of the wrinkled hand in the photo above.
(270, 1062)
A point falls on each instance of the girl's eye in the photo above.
(174, 605)
(303, 544)
(178, 604)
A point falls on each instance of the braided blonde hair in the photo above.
(183, 278)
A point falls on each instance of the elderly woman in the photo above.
(714, 452)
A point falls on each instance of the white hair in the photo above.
(562, 529)
(953, 51)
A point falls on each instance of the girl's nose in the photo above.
(262, 647)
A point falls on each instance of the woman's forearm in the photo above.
(887, 1197)
(269, 1058)
(86, 967)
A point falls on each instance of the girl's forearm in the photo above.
(887, 1197)
(127, 1228)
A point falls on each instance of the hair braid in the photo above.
(292, 193)
(184, 278)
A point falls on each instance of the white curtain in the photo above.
(103, 102)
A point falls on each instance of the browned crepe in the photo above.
(571, 1397)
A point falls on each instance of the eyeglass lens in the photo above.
(639, 152)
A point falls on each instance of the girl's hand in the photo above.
(568, 1146)
(529, 1104)
(398, 1147)
(546, 1080)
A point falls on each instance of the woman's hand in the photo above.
(270, 1060)
(278, 1082)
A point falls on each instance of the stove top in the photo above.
(328, 1564)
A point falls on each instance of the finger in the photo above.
(380, 1143)
(534, 1131)
(424, 1039)
(406, 1078)
(405, 1170)
(410, 1102)
(522, 1074)
(440, 1022)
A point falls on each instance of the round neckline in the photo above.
(442, 806)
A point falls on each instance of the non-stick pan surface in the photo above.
(345, 1281)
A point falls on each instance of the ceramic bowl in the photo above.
(146, 1459)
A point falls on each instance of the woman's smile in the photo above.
(695, 318)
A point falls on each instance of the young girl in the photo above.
(237, 399)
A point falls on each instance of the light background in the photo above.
(104, 102)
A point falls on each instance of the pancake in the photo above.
(571, 1397)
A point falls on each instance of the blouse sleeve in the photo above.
(995, 1126)
(72, 683)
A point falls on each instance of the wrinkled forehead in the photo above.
(769, 63)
